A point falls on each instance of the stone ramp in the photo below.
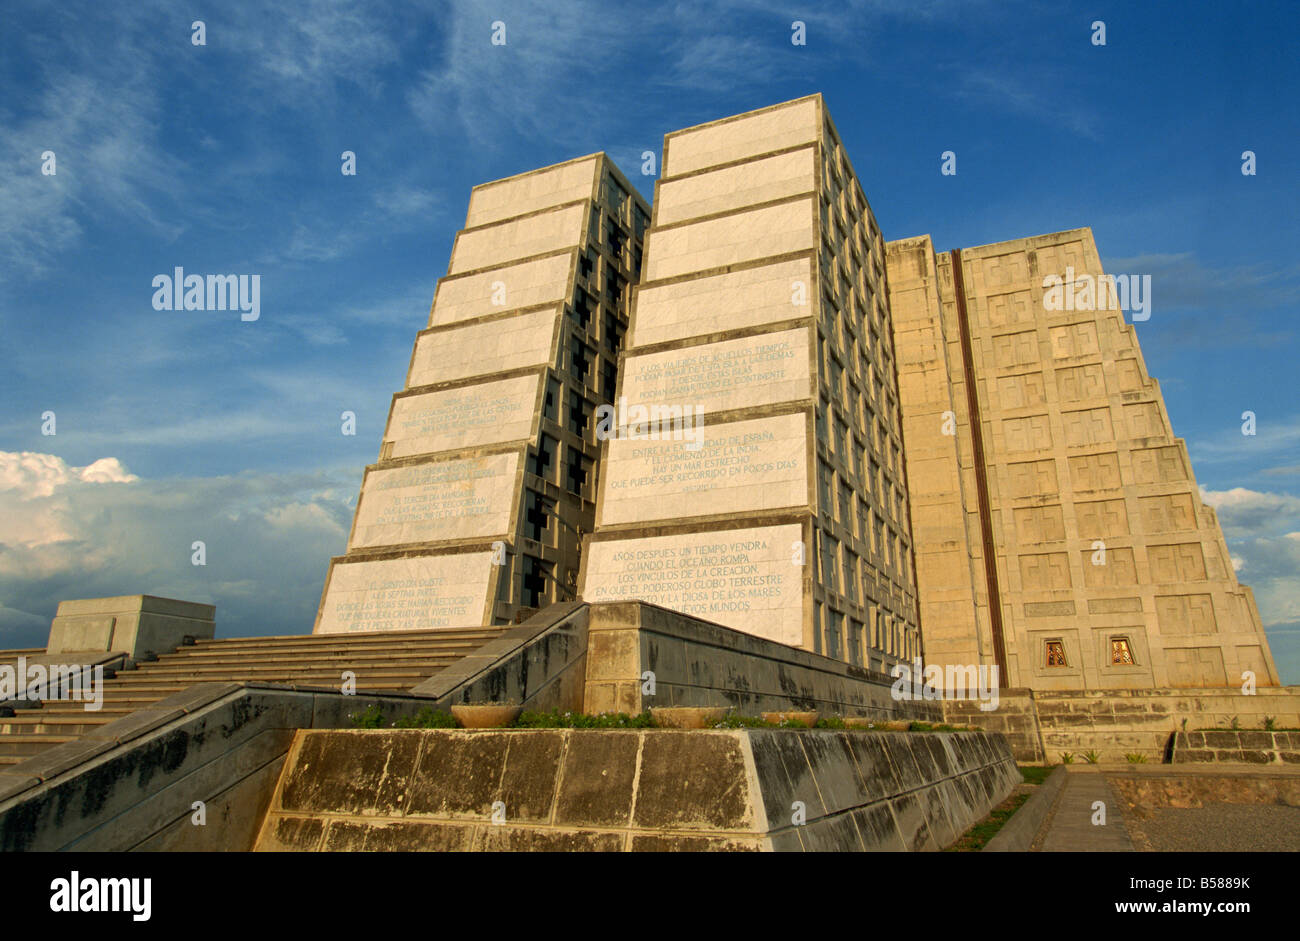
(387, 662)
(634, 790)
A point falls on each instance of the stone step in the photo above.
(24, 729)
(316, 641)
(438, 654)
(28, 745)
(331, 673)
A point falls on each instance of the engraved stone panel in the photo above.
(1055, 259)
(406, 594)
(1075, 383)
(1101, 519)
(1181, 562)
(1021, 391)
(1046, 609)
(517, 238)
(735, 140)
(1009, 270)
(759, 370)
(1087, 426)
(1032, 478)
(1095, 471)
(462, 418)
(531, 192)
(743, 578)
(737, 187)
(1076, 339)
(1159, 465)
(481, 348)
(730, 240)
(1015, 349)
(526, 284)
(1116, 569)
(1129, 375)
(1195, 666)
(1009, 309)
(1039, 524)
(429, 502)
(1031, 433)
(1143, 420)
(1167, 513)
(1114, 605)
(1186, 614)
(1045, 570)
(730, 301)
(738, 467)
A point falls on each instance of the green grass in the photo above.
(579, 720)
(978, 836)
(1033, 774)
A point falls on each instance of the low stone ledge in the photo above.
(635, 789)
(1017, 834)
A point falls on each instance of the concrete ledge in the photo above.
(634, 790)
(1017, 834)
(133, 782)
(538, 664)
(698, 663)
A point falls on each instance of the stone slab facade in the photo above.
(1060, 533)
(763, 307)
(486, 475)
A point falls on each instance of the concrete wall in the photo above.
(140, 626)
(132, 784)
(1256, 747)
(697, 663)
(1040, 725)
(648, 790)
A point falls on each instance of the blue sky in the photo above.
(181, 426)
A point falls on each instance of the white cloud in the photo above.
(98, 531)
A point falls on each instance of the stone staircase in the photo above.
(383, 662)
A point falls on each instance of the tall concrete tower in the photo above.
(763, 305)
(1059, 529)
(485, 481)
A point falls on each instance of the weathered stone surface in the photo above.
(598, 774)
(351, 772)
(722, 790)
(692, 780)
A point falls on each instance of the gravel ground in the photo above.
(1217, 828)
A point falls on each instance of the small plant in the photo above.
(579, 720)
(1067, 757)
(1235, 723)
(830, 722)
(427, 718)
(372, 717)
(733, 720)
(1136, 758)
(1270, 723)
(1091, 756)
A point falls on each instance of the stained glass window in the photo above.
(1120, 652)
(1055, 654)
